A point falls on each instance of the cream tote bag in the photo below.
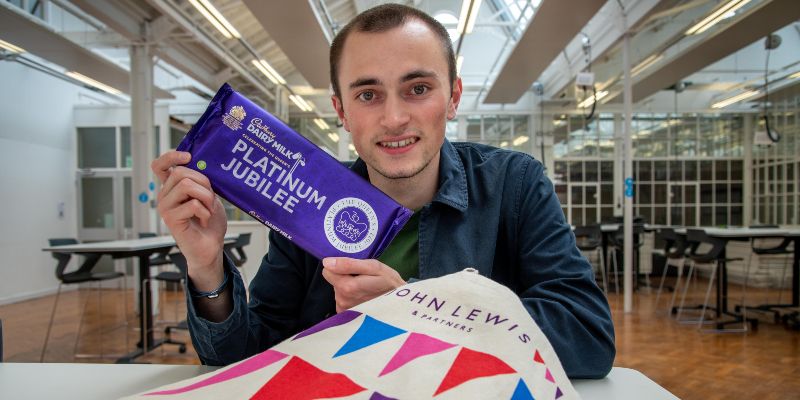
(461, 336)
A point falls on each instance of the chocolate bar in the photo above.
(281, 179)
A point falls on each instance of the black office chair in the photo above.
(159, 258)
(712, 256)
(83, 274)
(589, 238)
(237, 254)
(766, 248)
(176, 277)
(675, 247)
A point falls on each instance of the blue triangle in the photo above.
(370, 332)
(522, 392)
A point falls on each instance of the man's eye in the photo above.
(367, 96)
(420, 89)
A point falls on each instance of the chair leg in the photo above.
(602, 270)
(80, 327)
(708, 295)
(616, 271)
(661, 284)
(679, 267)
(50, 325)
(685, 289)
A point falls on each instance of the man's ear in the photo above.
(337, 105)
(455, 99)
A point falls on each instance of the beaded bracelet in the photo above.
(212, 294)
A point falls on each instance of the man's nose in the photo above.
(395, 114)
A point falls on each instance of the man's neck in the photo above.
(413, 192)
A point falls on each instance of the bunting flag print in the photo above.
(245, 367)
(416, 345)
(522, 392)
(299, 380)
(370, 332)
(538, 358)
(336, 320)
(469, 365)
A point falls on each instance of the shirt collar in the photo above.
(452, 177)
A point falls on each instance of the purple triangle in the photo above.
(378, 396)
(558, 392)
(336, 320)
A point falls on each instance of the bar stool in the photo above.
(675, 253)
(589, 238)
(82, 275)
(762, 250)
(617, 242)
(715, 256)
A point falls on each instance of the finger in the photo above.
(185, 212)
(352, 266)
(332, 277)
(185, 189)
(161, 166)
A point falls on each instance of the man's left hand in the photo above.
(356, 281)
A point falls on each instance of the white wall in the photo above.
(36, 174)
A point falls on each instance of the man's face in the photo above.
(396, 98)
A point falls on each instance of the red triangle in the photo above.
(299, 380)
(469, 365)
(538, 357)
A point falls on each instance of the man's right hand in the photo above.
(194, 216)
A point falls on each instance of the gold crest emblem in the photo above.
(234, 117)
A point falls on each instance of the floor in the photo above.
(762, 364)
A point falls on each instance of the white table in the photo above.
(111, 381)
(142, 248)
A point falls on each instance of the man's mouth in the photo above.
(399, 143)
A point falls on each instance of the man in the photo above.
(395, 86)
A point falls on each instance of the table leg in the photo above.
(146, 340)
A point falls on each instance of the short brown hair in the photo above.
(383, 18)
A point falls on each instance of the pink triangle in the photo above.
(415, 346)
(245, 367)
(538, 357)
(549, 376)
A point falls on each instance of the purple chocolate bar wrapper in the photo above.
(280, 178)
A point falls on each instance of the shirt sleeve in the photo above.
(557, 284)
(271, 316)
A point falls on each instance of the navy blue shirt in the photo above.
(495, 211)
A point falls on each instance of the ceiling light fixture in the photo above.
(300, 102)
(591, 99)
(735, 99)
(334, 137)
(520, 140)
(91, 82)
(272, 71)
(257, 64)
(469, 14)
(718, 15)
(216, 18)
(795, 75)
(321, 124)
(646, 63)
(10, 47)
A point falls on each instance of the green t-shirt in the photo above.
(403, 253)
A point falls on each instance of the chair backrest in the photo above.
(143, 235)
(243, 239)
(618, 238)
(588, 235)
(697, 237)
(63, 258)
(241, 257)
(180, 262)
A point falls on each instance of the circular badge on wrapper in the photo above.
(351, 225)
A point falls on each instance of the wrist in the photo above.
(214, 293)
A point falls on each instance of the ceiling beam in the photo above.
(553, 26)
(754, 25)
(293, 25)
(41, 40)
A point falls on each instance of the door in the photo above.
(104, 205)
(683, 204)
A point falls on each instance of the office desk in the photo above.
(111, 381)
(143, 249)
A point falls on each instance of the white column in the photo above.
(628, 174)
(142, 121)
(747, 171)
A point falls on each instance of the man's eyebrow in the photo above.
(420, 73)
(364, 82)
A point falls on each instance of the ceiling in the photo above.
(521, 54)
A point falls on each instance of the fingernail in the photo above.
(185, 156)
(329, 262)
